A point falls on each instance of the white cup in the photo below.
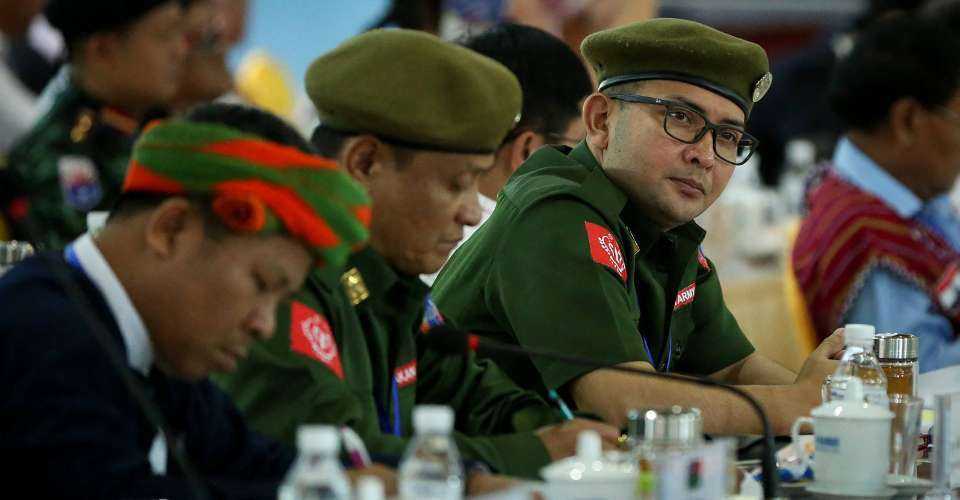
(852, 444)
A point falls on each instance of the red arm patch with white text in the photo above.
(685, 296)
(605, 250)
(311, 335)
(406, 374)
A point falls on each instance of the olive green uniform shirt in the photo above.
(333, 362)
(71, 162)
(566, 263)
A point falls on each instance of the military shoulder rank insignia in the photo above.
(311, 336)
(605, 249)
(79, 182)
(354, 287)
(762, 85)
(82, 126)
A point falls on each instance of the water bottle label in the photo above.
(430, 490)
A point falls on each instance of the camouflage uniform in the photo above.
(71, 162)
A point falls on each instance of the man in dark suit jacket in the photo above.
(215, 227)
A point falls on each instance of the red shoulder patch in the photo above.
(406, 374)
(311, 336)
(605, 250)
(702, 259)
(685, 296)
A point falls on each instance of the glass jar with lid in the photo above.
(658, 437)
(897, 353)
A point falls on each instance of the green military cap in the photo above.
(677, 49)
(413, 89)
(77, 19)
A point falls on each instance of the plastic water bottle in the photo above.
(431, 468)
(370, 488)
(317, 473)
(860, 361)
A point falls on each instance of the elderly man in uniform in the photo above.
(593, 251)
(222, 216)
(125, 58)
(415, 120)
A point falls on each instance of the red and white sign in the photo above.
(605, 250)
(311, 335)
(685, 296)
(406, 374)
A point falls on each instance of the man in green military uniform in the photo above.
(415, 120)
(125, 57)
(593, 251)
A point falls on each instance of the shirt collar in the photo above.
(134, 332)
(644, 231)
(852, 164)
(486, 204)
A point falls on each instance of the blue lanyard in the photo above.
(383, 413)
(70, 255)
(669, 346)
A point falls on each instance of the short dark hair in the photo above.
(328, 142)
(906, 56)
(243, 118)
(251, 120)
(553, 79)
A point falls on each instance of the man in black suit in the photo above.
(215, 227)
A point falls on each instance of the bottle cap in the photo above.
(434, 419)
(896, 346)
(859, 335)
(589, 446)
(318, 438)
(370, 488)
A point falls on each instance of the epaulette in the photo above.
(354, 287)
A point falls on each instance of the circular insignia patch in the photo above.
(79, 182)
(761, 87)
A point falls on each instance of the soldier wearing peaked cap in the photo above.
(414, 119)
(124, 59)
(593, 249)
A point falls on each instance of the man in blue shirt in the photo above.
(880, 243)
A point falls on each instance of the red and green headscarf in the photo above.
(257, 186)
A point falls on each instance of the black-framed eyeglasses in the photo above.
(685, 124)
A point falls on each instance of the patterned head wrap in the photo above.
(257, 186)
